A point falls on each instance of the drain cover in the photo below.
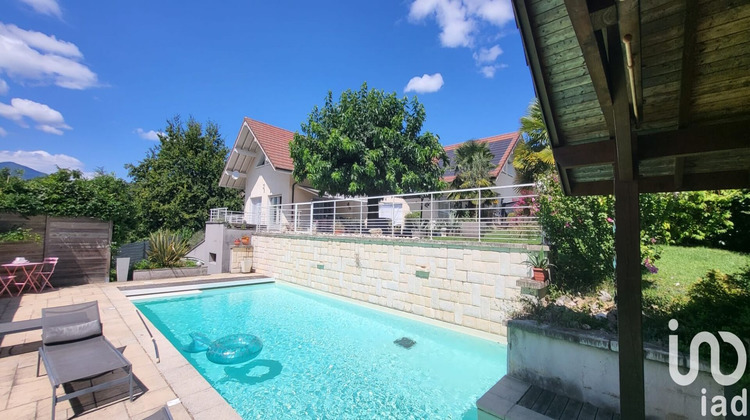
(405, 342)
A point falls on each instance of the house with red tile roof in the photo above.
(502, 147)
(261, 165)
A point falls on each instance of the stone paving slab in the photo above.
(25, 396)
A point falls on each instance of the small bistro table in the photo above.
(28, 268)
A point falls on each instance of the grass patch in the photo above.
(680, 267)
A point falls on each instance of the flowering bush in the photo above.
(580, 233)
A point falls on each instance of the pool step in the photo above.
(514, 399)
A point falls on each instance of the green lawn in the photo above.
(680, 267)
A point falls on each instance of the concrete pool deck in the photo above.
(172, 381)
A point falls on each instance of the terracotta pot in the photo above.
(236, 242)
(245, 240)
(540, 274)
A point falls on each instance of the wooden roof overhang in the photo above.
(641, 96)
(691, 68)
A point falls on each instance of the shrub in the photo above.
(19, 234)
(167, 248)
(580, 233)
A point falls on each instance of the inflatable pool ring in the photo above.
(200, 343)
(235, 348)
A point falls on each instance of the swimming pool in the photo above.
(327, 358)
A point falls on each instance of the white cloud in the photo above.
(45, 7)
(48, 120)
(487, 55)
(41, 160)
(3, 87)
(489, 71)
(3, 133)
(31, 55)
(452, 17)
(459, 19)
(148, 135)
(496, 12)
(425, 84)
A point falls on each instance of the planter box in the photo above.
(169, 273)
(583, 365)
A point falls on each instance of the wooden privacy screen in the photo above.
(82, 244)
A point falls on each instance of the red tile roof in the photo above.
(275, 143)
(501, 146)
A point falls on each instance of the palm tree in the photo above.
(473, 163)
(533, 156)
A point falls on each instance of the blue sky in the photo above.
(88, 84)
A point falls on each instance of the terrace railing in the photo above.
(491, 214)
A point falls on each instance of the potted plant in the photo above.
(245, 240)
(237, 242)
(540, 265)
(338, 228)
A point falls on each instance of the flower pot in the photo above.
(540, 274)
(245, 240)
(236, 242)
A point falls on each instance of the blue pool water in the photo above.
(326, 358)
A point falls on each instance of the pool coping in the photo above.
(135, 291)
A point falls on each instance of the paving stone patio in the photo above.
(172, 380)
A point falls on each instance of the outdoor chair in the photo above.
(73, 349)
(5, 282)
(45, 272)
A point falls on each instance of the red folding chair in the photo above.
(48, 267)
(5, 282)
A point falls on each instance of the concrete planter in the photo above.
(169, 273)
(583, 365)
(123, 266)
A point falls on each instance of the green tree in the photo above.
(68, 193)
(533, 155)
(472, 165)
(369, 143)
(176, 184)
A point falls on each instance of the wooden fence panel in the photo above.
(83, 246)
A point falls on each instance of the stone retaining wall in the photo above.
(471, 285)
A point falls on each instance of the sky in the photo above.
(88, 85)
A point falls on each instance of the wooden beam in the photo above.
(604, 18)
(594, 153)
(580, 18)
(629, 17)
(629, 306)
(231, 174)
(243, 152)
(625, 139)
(679, 171)
(687, 75)
(695, 140)
(690, 182)
(525, 23)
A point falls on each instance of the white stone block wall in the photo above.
(473, 286)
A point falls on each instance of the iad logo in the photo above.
(739, 403)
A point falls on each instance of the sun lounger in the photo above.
(73, 349)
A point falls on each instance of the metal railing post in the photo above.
(296, 216)
(333, 226)
(312, 210)
(360, 217)
(432, 213)
(479, 217)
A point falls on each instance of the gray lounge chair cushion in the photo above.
(82, 359)
(71, 332)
